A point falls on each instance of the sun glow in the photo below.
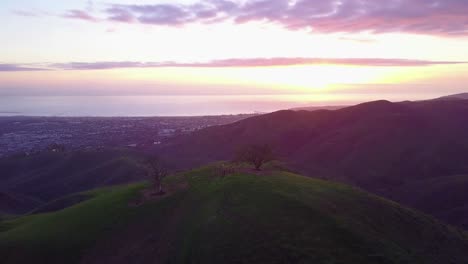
(303, 77)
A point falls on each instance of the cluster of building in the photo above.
(35, 134)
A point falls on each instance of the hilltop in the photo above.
(379, 146)
(272, 217)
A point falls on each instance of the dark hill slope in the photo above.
(444, 197)
(274, 217)
(29, 181)
(375, 145)
(12, 203)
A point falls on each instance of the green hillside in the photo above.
(268, 217)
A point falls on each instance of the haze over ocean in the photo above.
(137, 105)
(165, 105)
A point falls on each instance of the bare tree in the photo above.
(255, 154)
(157, 171)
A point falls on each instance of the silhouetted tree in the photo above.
(157, 171)
(257, 155)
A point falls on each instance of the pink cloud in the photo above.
(235, 62)
(431, 17)
(120, 15)
(446, 17)
(252, 62)
(80, 14)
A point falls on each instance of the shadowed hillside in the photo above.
(444, 197)
(27, 182)
(272, 217)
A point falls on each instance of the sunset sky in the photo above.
(309, 50)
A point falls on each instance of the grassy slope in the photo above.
(277, 217)
(64, 234)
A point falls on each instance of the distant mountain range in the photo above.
(461, 96)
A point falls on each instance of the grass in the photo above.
(69, 231)
(284, 218)
(275, 217)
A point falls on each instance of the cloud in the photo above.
(71, 14)
(163, 14)
(430, 17)
(252, 62)
(25, 13)
(103, 65)
(19, 67)
(80, 14)
(434, 17)
(30, 13)
(226, 63)
(118, 14)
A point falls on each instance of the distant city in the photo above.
(27, 135)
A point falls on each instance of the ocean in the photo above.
(144, 105)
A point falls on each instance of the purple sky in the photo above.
(412, 48)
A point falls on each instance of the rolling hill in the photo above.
(27, 182)
(268, 217)
(379, 146)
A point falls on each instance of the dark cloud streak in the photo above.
(18, 67)
(249, 62)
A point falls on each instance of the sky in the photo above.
(304, 50)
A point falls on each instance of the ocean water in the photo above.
(144, 105)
